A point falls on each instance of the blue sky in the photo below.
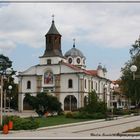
(103, 32)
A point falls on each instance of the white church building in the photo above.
(64, 76)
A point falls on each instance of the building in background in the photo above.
(64, 76)
(118, 98)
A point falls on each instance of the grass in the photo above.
(137, 129)
(57, 120)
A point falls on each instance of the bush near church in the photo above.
(43, 103)
(21, 123)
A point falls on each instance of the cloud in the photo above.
(113, 26)
(6, 46)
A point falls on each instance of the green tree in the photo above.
(43, 103)
(5, 63)
(131, 87)
(94, 104)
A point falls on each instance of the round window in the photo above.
(70, 60)
(78, 60)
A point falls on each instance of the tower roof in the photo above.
(53, 29)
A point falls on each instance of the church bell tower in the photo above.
(53, 42)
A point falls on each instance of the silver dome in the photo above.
(73, 52)
(99, 67)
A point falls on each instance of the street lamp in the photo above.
(133, 68)
(10, 88)
(3, 73)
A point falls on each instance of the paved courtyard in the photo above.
(82, 130)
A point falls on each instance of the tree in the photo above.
(5, 63)
(94, 104)
(43, 103)
(129, 86)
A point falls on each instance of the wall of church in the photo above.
(32, 79)
(64, 83)
(30, 71)
(100, 73)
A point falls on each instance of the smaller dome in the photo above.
(73, 52)
(99, 66)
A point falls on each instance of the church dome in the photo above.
(73, 52)
(75, 56)
(99, 67)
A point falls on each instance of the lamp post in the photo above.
(133, 68)
(10, 89)
(3, 73)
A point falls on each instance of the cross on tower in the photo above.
(74, 42)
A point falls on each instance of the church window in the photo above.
(70, 60)
(85, 83)
(91, 84)
(50, 39)
(96, 86)
(28, 84)
(48, 61)
(59, 40)
(48, 77)
(78, 60)
(70, 83)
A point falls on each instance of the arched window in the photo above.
(70, 83)
(50, 39)
(85, 83)
(28, 84)
(91, 84)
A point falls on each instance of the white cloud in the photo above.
(6, 46)
(102, 24)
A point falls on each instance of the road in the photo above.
(82, 130)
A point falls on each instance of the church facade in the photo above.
(64, 76)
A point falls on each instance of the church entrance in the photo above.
(26, 106)
(70, 103)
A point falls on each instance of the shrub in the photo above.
(22, 123)
(69, 115)
(121, 112)
(86, 115)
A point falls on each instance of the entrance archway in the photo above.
(26, 106)
(70, 103)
